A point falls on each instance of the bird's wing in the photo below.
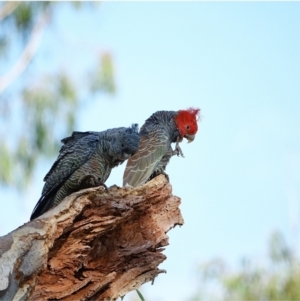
(73, 154)
(140, 166)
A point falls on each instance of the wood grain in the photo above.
(95, 245)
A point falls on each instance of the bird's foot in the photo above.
(166, 175)
(105, 187)
(155, 174)
(177, 151)
(88, 181)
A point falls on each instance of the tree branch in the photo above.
(27, 54)
(96, 245)
(8, 8)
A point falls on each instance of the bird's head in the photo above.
(128, 143)
(131, 140)
(186, 123)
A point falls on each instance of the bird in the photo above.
(157, 134)
(85, 160)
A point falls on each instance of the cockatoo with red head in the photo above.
(160, 130)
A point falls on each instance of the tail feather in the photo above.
(44, 204)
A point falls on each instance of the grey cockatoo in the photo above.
(156, 135)
(85, 160)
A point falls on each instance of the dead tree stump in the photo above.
(95, 245)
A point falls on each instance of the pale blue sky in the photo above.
(240, 63)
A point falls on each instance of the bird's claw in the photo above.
(178, 151)
(166, 175)
(155, 174)
(88, 181)
(105, 187)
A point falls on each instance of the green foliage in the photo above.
(278, 249)
(3, 46)
(140, 295)
(103, 78)
(275, 278)
(6, 164)
(55, 97)
(41, 109)
(23, 16)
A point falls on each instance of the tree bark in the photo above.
(95, 245)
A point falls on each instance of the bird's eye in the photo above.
(123, 145)
(187, 127)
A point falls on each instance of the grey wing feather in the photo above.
(141, 165)
(72, 155)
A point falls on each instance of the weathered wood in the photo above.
(95, 245)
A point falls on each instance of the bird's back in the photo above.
(85, 160)
(75, 151)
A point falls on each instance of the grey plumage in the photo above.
(85, 160)
(157, 134)
(155, 151)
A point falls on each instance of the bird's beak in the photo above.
(190, 138)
